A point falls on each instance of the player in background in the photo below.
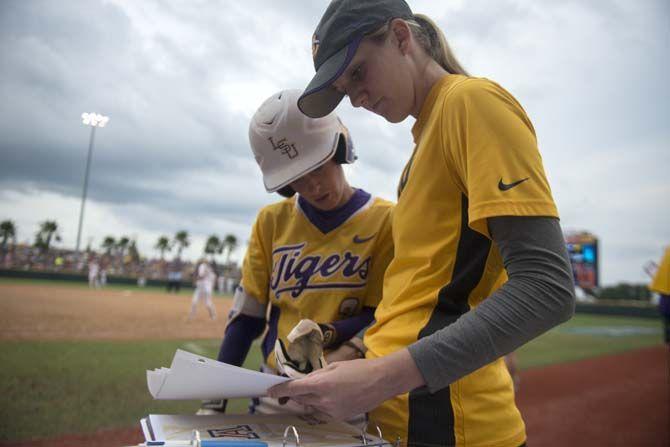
(93, 271)
(102, 274)
(315, 261)
(480, 264)
(661, 285)
(204, 283)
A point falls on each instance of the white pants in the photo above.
(93, 280)
(203, 291)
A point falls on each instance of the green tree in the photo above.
(121, 248)
(48, 232)
(163, 244)
(229, 245)
(181, 240)
(213, 246)
(7, 232)
(108, 244)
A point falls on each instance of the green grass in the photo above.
(561, 344)
(52, 388)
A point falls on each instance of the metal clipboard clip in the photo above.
(287, 442)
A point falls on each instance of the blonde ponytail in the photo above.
(432, 40)
(430, 37)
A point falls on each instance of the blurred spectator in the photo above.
(25, 257)
(104, 265)
(93, 273)
(174, 275)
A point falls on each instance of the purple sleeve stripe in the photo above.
(349, 327)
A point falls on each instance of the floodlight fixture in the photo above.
(94, 119)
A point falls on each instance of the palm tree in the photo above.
(7, 232)
(229, 245)
(163, 244)
(48, 231)
(122, 245)
(213, 246)
(133, 251)
(109, 244)
(181, 240)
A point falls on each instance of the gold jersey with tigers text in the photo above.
(302, 272)
(475, 157)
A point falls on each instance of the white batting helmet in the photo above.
(287, 144)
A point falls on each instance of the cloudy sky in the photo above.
(180, 80)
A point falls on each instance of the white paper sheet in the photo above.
(193, 376)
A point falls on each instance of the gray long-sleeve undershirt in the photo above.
(538, 295)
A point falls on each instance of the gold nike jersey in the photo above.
(475, 157)
(292, 265)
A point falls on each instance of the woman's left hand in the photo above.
(345, 389)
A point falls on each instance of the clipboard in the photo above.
(278, 430)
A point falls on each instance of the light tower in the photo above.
(94, 120)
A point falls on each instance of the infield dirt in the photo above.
(47, 312)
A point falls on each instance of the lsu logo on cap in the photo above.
(315, 45)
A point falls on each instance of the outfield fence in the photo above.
(623, 308)
(80, 277)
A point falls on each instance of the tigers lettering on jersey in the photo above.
(294, 273)
(301, 271)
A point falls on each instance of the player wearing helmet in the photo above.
(319, 255)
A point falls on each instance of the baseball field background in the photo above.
(74, 360)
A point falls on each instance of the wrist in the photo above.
(357, 347)
(399, 373)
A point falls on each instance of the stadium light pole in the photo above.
(94, 120)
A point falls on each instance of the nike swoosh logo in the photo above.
(506, 186)
(360, 240)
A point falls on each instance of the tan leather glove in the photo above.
(304, 352)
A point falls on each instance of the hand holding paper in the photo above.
(195, 377)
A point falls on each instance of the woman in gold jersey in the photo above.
(480, 266)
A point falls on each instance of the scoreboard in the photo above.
(583, 252)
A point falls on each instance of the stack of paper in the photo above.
(250, 427)
(195, 377)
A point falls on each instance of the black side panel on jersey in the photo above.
(431, 417)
